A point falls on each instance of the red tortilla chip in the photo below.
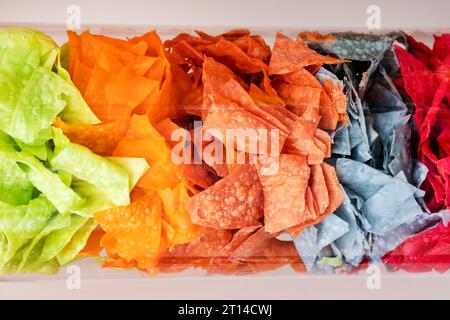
(274, 255)
(230, 54)
(196, 253)
(232, 203)
(329, 115)
(160, 176)
(230, 35)
(289, 56)
(252, 245)
(268, 105)
(185, 50)
(198, 177)
(225, 114)
(214, 156)
(300, 77)
(337, 95)
(193, 102)
(235, 92)
(319, 188)
(325, 138)
(310, 213)
(335, 192)
(299, 98)
(262, 252)
(221, 262)
(254, 46)
(215, 75)
(301, 140)
(284, 193)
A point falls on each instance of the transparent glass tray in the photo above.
(284, 283)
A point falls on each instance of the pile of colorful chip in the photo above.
(126, 150)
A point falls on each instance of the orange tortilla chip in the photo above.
(159, 176)
(193, 102)
(93, 47)
(134, 232)
(154, 44)
(101, 138)
(166, 127)
(113, 95)
(81, 75)
(140, 128)
(74, 49)
(167, 237)
(93, 247)
(177, 216)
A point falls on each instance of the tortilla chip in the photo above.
(133, 232)
(284, 193)
(232, 203)
(101, 138)
(290, 55)
(335, 193)
(176, 215)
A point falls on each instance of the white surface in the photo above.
(343, 14)
(260, 15)
(281, 284)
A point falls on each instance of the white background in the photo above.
(268, 15)
(412, 14)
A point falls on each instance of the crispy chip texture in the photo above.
(222, 212)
